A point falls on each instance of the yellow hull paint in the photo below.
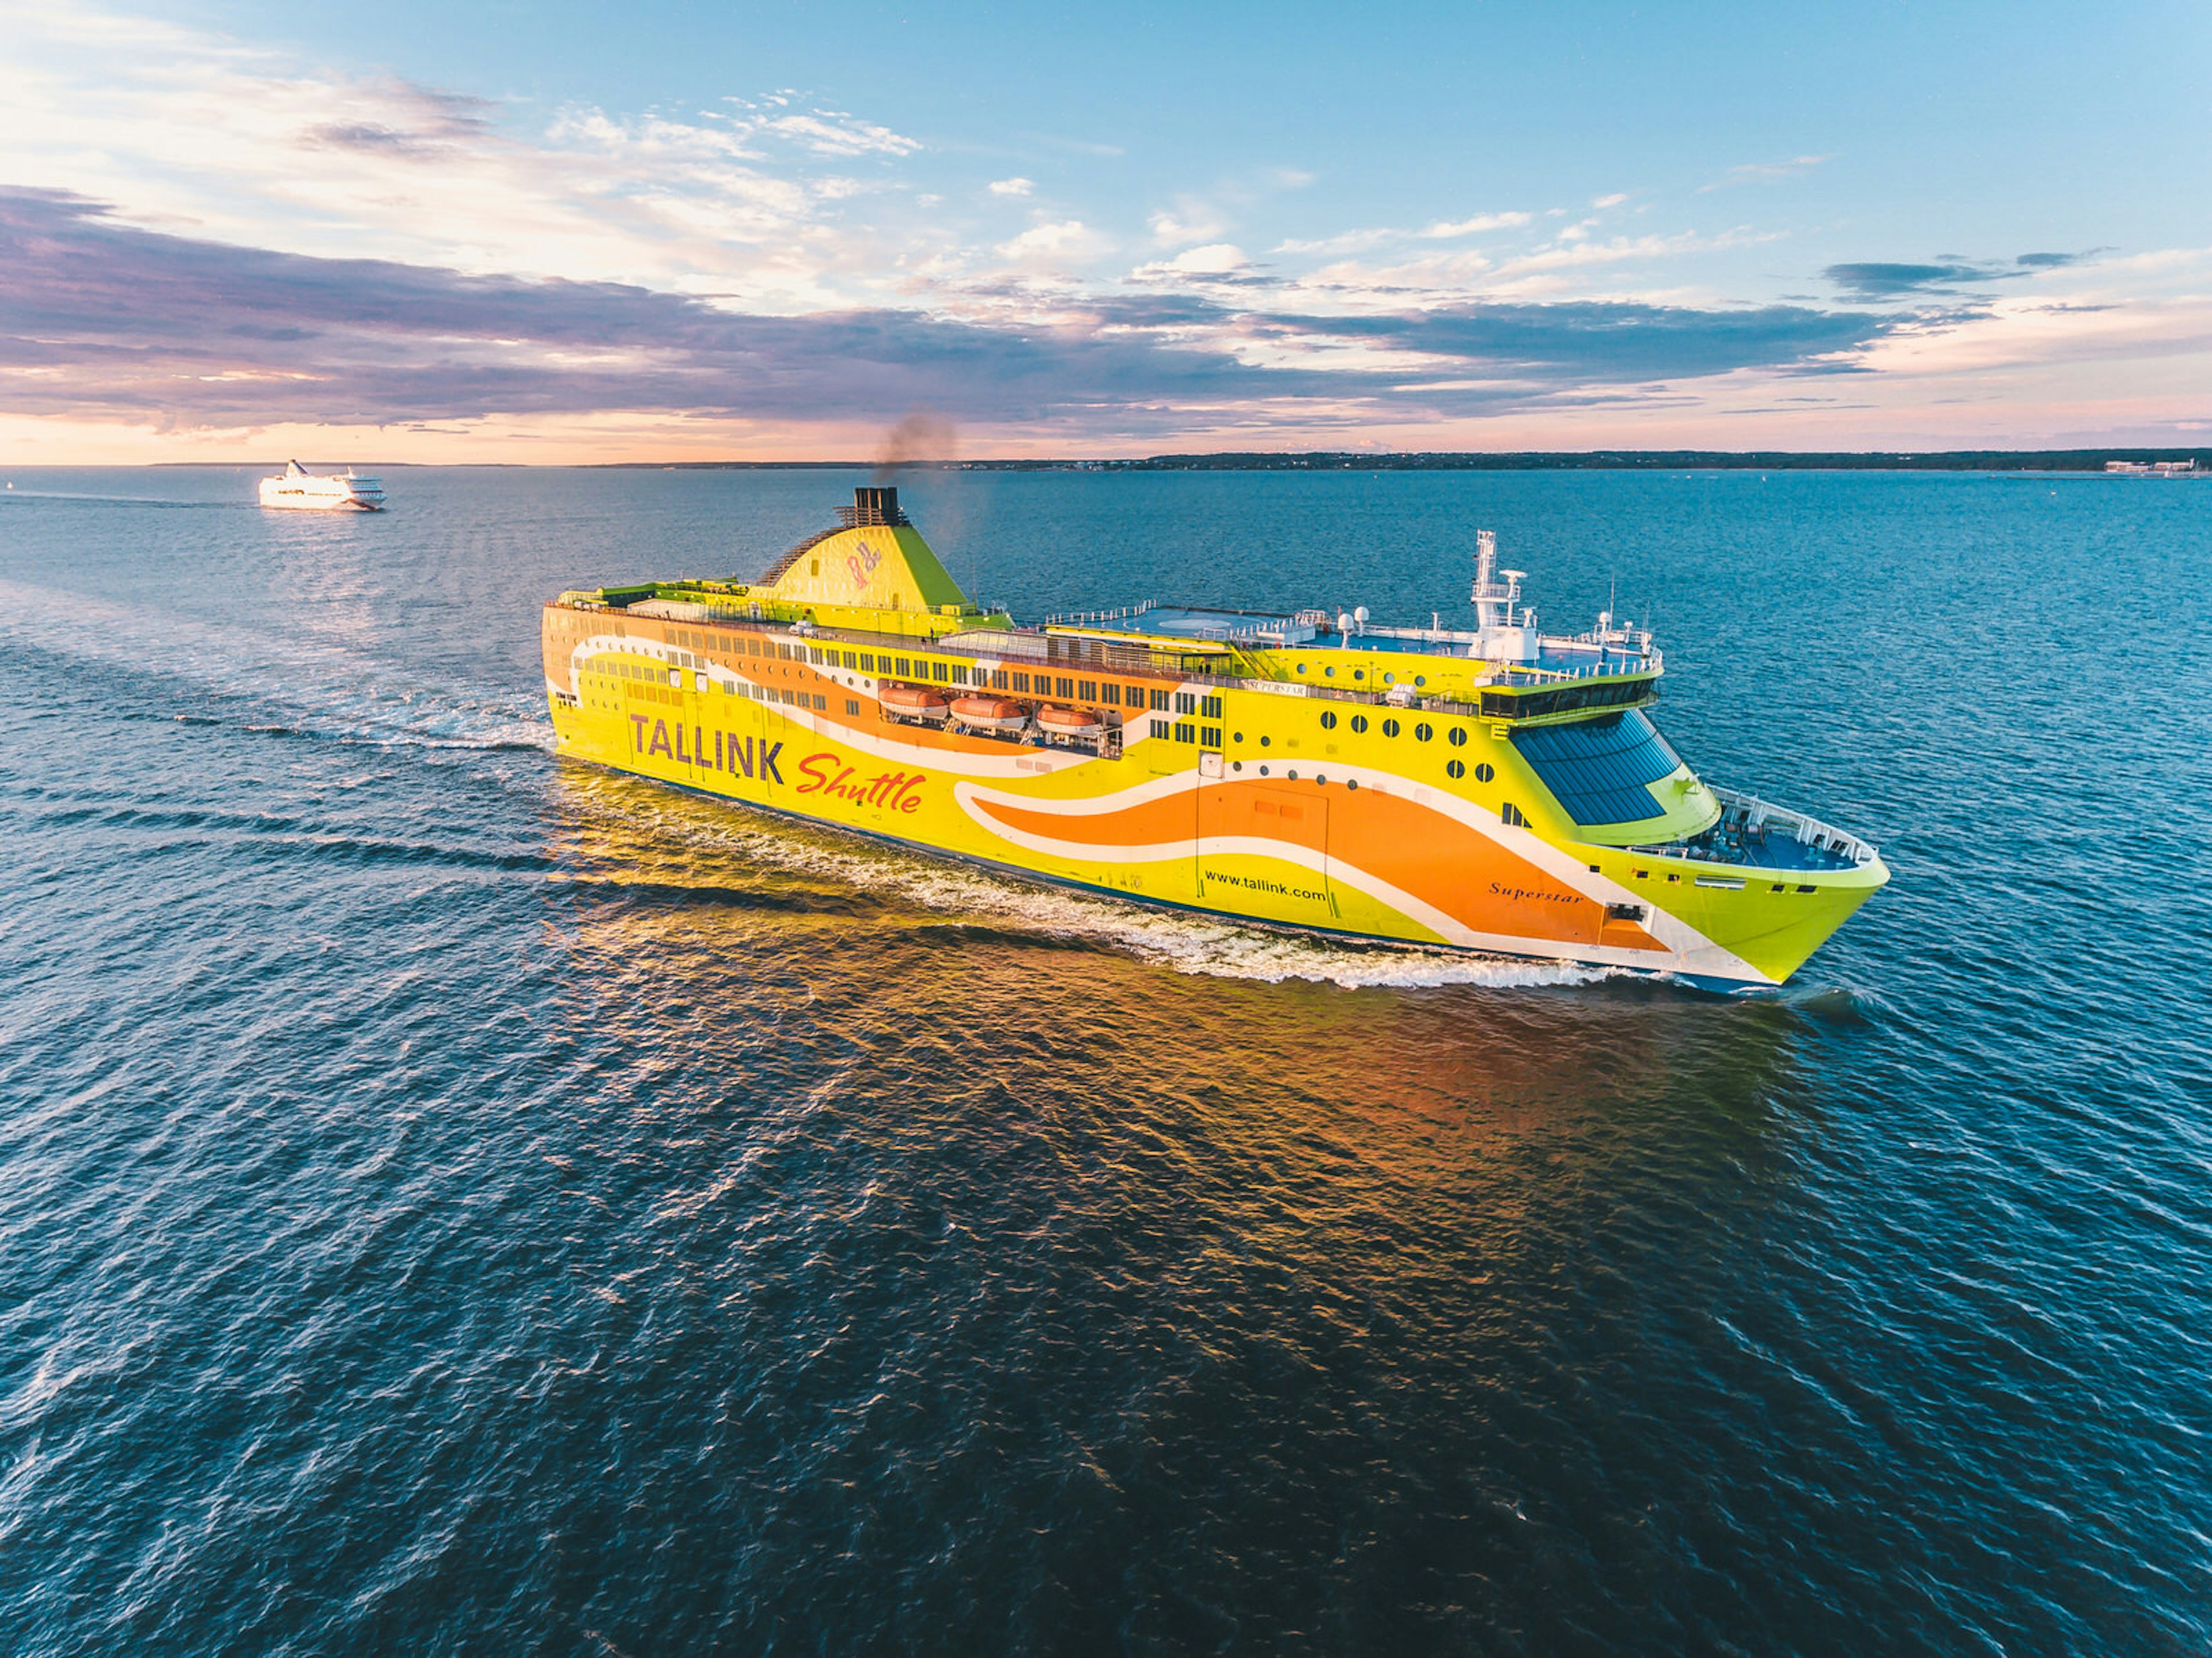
(1251, 809)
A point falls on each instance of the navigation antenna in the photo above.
(1492, 600)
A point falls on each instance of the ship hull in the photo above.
(1366, 838)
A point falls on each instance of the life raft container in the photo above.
(990, 713)
(1070, 722)
(912, 702)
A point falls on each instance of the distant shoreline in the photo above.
(1592, 460)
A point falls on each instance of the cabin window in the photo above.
(1088, 690)
(1483, 774)
(1210, 707)
(1160, 701)
(1185, 732)
(1423, 733)
(959, 674)
(937, 671)
(1625, 912)
(1457, 737)
(1186, 702)
(1067, 686)
(1266, 741)
(905, 669)
(752, 647)
(1455, 767)
(1390, 728)
(1358, 722)
(852, 706)
(1112, 693)
(1511, 814)
(1210, 736)
(1329, 721)
(1809, 889)
(852, 660)
(1159, 728)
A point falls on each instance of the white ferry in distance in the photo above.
(296, 487)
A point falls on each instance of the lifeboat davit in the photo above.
(990, 713)
(1070, 722)
(912, 702)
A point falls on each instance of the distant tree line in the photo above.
(1590, 460)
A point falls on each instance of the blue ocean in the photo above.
(454, 1200)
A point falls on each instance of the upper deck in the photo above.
(874, 580)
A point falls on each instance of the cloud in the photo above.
(1216, 260)
(1443, 230)
(103, 321)
(1190, 221)
(1010, 186)
(1766, 173)
(826, 131)
(1614, 200)
(1879, 280)
(1054, 243)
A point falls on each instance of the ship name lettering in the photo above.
(1538, 894)
(891, 791)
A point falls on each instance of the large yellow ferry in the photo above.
(1494, 788)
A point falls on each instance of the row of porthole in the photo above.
(1361, 673)
(1291, 776)
(1456, 735)
(1453, 769)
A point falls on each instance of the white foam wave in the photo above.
(306, 684)
(1184, 941)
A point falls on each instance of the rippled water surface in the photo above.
(455, 1201)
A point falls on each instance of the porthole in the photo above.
(1352, 782)
(1239, 737)
(1236, 765)
(1390, 679)
(1423, 733)
(1483, 773)
(1455, 767)
(1329, 721)
(1302, 667)
(1265, 741)
(1320, 779)
(1263, 771)
(1457, 735)
(1421, 679)
(1390, 728)
(1360, 722)
(1329, 673)
(1359, 673)
(1292, 775)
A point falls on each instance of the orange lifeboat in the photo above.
(912, 702)
(1069, 722)
(989, 714)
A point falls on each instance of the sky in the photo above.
(565, 232)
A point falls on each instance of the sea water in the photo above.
(457, 1200)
